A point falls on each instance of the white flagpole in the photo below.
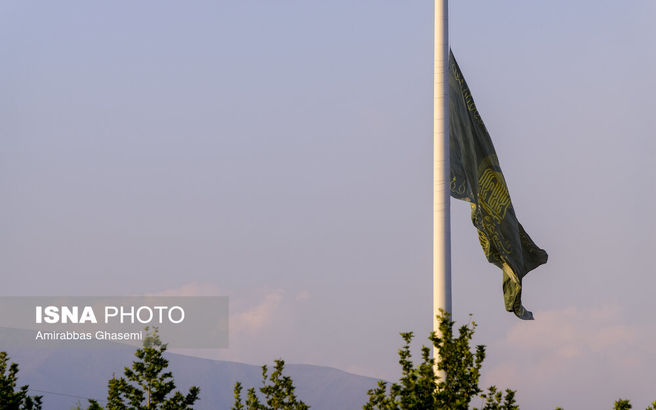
(441, 169)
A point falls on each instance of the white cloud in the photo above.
(257, 317)
(190, 289)
(249, 314)
(581, 355)
(572, 332)
(303, 295)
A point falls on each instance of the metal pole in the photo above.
(441, 169)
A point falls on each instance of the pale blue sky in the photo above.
(279, 152)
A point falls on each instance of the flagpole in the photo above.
(441, 169)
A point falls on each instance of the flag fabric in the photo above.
(476, 178)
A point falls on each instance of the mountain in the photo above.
(64, 375)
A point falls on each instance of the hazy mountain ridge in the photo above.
(84, 372)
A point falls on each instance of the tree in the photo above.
(278, 392)
(146, 385)
(420, 387)
(495, 400)
(94, 406)
(622, 404)
(12, 398)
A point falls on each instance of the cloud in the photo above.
(249, 314)
(191, 289)
(303, 295)
(256, 318)
(573, 332)
(583, 354)
(263, 324)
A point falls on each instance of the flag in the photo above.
(476, 178)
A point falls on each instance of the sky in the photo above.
(280, 153)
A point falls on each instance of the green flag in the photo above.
(476, 178)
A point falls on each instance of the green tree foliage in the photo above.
(277, 390)
(146, 385)
(458, 362)
(622, 404)
(94, 406)
(495, 400)
(11, 397)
